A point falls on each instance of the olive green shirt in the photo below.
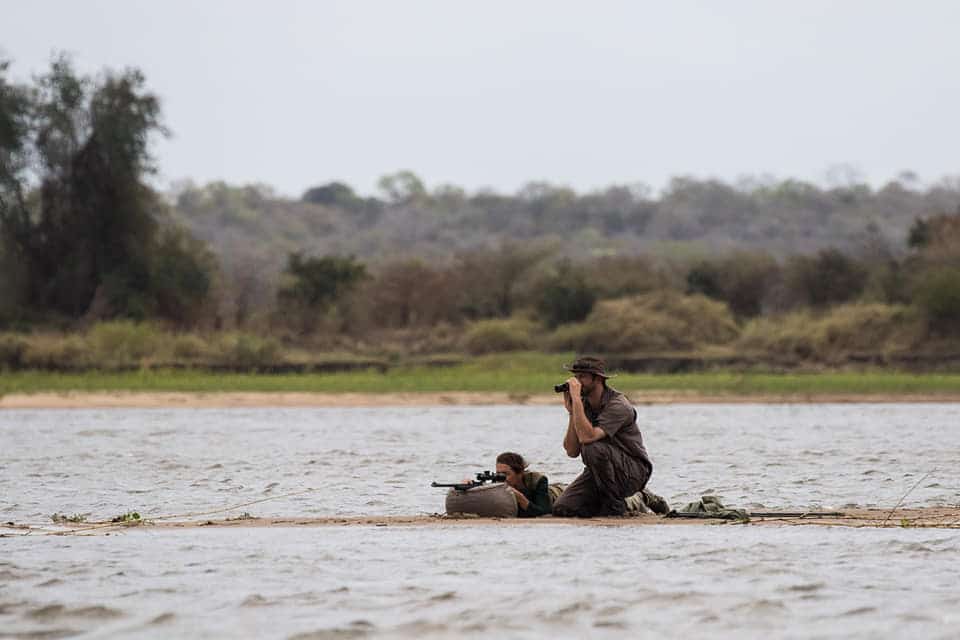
(618, 419)
(536, 490)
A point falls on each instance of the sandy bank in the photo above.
(146, 400)
(928, 517)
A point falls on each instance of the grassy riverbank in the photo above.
(527, 373)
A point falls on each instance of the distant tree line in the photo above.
(689, 217)
(533, 282)
(717, 225)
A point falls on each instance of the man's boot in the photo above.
(636, 505)
(655, 503)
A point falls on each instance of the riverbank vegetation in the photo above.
(99, 272)
(517, 375)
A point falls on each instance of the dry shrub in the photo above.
(441, 338)
(56, 353)
(123, 342)
(188, 347)
(495, 336)
(844, 330)
(245, 351)
(411, 293)
(788, 335)
(620, 276)
(867, 328)
(660, 321)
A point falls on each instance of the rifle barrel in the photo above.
(459, 486)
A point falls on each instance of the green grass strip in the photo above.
(525, 373)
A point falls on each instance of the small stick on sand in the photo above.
(900, 501)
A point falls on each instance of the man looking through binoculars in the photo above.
(602, 430)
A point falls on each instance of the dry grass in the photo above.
(835, 334)
(657, 322)
(121, 345)
(245, 351)
(496, 336)
(124, 343)
(56, 352)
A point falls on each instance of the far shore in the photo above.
(202, 400)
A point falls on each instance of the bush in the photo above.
(12, 350)
(494, 336)
(855, 328)
(188, 346)
(56, 353)
(183, 270)
(312, 285)
(244, 351)
(788, 335)
(827, 279)
(661, 321)
(743, 280)
(704, 278)
(123, 342)
(622, 276)
(938, 296)
(564, 298)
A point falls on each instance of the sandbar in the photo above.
(924, 517)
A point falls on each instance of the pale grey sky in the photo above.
(498, 93)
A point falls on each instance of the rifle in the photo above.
(482, 478)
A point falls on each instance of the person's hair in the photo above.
(513, 460)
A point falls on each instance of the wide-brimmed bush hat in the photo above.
(590, 364)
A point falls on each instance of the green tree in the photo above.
(88, 241)
(183, 269)
(704, 278)
(938, 296)
(341, 196)
(98, 215)
(402, 187)
(15, 132)
(742, 280)
(564, 297)
(830, 277)
(313, 285)
(335, 194)
(919, 234)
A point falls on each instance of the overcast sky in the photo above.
(496, 94)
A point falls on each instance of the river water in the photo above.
(459, 580)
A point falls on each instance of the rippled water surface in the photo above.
(443, 581)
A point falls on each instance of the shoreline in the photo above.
(873, 518)
(252, 399)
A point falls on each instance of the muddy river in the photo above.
(552, 579)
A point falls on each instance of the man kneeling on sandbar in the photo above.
(603, 431)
